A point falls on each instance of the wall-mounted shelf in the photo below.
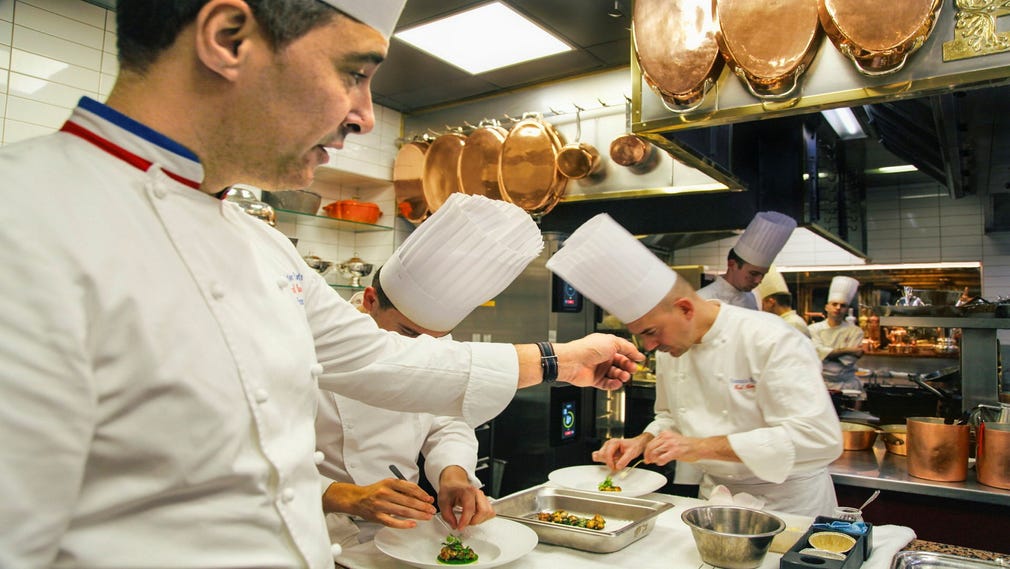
(945, 322)
(346, 287)
(327, 222)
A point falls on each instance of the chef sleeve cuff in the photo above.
(494, 376)
(760, 451)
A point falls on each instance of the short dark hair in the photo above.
(384, 302)
(146, 28)
(732, 256)
(782, 299)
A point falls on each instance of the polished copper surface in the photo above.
(631, 151)
(878, 36)
(676, 47)
(441, 162)
(527, 169)
(478, 162)
(408, 168)
(769, 58)
(578, 160)
(937, 451)
(992, 456)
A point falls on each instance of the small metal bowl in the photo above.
(732, 537)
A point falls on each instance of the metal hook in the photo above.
(554, 111)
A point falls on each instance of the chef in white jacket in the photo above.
(445, 269)
(160, 350)
(839, 343)
(739, 393)
(776, 299)
(749, 260)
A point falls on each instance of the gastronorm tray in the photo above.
(627, 519)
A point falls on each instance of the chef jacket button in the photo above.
(316, 370)
(261, 395)
(336, 550)
(719, 376)
(288, 494)
(725, 411)
(319, 457)
(282, 283)
(682, 410)
(217, 291)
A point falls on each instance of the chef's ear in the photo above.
(369, 299)
(685, 307)
(223, 29)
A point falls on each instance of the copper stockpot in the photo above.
(408, 168)
(769, 45)
(478, 161)
(857, 437)
(992, 455)
(440, 178)
(527, 169)
(878, 37)
(676, 48)
(937, 451)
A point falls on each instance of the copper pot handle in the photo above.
(706, 87)
(781, 96)
(847, 52)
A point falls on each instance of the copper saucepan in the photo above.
(478, 161)
(527, 169)
(878, 36)
(638, 155)
(408, 168)
(579, 159)
(676, 48)
(769, 45)
(441, 163)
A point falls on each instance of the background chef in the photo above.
(749, 260)
(447, 267)
(739, 393)
(775, 298)
(839, 342)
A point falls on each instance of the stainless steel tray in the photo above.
(628, 519)
(932, 560)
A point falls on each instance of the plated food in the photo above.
(454, 552)
(494, 542)
(587, 479)
(608, 485)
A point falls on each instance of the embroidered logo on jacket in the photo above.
(295, 284)
(744, 384)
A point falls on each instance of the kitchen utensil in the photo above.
(769, 59)
(732, 537)
(895, 439)
(353, 210)
(499, 541)
(627, 469)
(578, 159)
(396, 472)
(478, 161)
(874, 496)
(822, 554)
(320, 266)
(354, 269)
(857, 437)
(408, 169)
(937, 451)
(250, 204)
(878, 37)
(676, 48)
(833, 541)
(301, 201)
(527, 170)
(992, 454)
(587, 478)
(440, 177)
(847, 514)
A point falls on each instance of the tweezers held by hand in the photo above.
(396, 472)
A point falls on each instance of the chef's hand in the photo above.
(618, 453)
(603, 361)
(391, 502)
(459, 502)
(668, 445)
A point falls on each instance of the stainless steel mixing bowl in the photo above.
(732, 537)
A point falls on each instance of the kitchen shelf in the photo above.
(945, 322)
(346, 287)
(327, 222)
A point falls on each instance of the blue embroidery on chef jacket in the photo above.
(295, 284)
(743, 384)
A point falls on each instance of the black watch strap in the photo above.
(548, 362)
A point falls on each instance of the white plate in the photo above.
(495, 541)
(587, 478)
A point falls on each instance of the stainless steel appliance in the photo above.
(548, 426)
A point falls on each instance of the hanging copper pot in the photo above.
(579, 159)
(527, 169)
(441, 163)
(769, 58)
(638, 155)
(478, 162)
(878, 36)
(676, 48)
(408, 168)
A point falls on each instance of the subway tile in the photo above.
(6, 33)
(960, 253)
(885, 255)
(36, 112)
(109, 42)
(15, 130)
(963, 241)
(59, 25)
(4, 84)
(919, 242)
(7, 10)
(920, 256)
(110, 64)
(74, 9)
(105, 84)
(56, 48)
(35, 89)
(54, 70)
(3, 100)
(997, 272)
(110, 21)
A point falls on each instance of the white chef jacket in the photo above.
(161, 353)
(793, 319)
(838, 373)
(758, 382)
(720, 289)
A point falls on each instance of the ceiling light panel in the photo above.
(488, 37)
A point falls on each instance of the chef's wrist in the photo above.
(548, 362)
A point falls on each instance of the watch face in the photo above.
(567, 420)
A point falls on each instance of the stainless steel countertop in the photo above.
(879, 469)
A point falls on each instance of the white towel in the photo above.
(887, 542)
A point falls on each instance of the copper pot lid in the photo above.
(675, 44)
(408, 168)
(527, 168)
(769, 58)
(441, 161)
(878, 36)
(478, 162)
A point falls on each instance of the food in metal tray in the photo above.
(608, 485)
(453, 552)
(564, 518)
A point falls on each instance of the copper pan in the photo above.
(478, 162)
(638, 155)
(441, 163)
(676, 48)
(769, 45)
(527, 169)
(878, 36)
(992, 456)
(407, 171)
(936, 450)
(579, 159)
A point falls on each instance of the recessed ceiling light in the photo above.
(484, 38)
(843, 122)
(893, 169)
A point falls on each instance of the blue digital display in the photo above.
(568, 420)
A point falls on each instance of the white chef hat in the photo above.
(462, 256)
(764, 237)
(379, 14)
(772, 283)
(843, 289)
(608, 265)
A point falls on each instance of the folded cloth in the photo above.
(721, 496)
(887, 542)
(851, 528)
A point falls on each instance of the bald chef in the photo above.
(739, 393)
(749, 260)
(448, 266)
(775, 298)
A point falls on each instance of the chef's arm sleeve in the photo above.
(49, 400)
(450, 442)
(820, 346)
(663, 419)
(803, 432)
